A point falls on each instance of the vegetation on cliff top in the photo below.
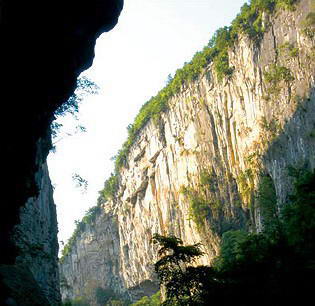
(249, 22)
(80, 226)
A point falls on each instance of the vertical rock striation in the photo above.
(95, 257)
(211, 146)
(36, 238)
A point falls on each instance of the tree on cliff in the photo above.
(182, 281)
(85, 87)
(273, 267)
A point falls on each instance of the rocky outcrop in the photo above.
(44, 47)
(211, 146)
(97, 256)
(36, 238)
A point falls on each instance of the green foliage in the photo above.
(91, 214)
(267, 203)
(312, 133)
(199, 208)
(310, 19)
(89, 217)
(309, 32)
(110, 187)
(309, 23)
(179, 253)
(287, 4)
(290, 49)
(174, 270)
(222, 67)
(154, 300)
(272, 267)
(299, 213)
(245, 182)
(104, 297)
(271, 127)
(219, 44)
(291, 234)
(84, 87)
(230, 250)
(80, 182)
(205, 204)
(202, 209)
(275, 76)
(249, 21)
(239, 249)
(153, 108)
(116, 303)
(208, 180)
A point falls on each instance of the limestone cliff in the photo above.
(211, 146)
(36, 238)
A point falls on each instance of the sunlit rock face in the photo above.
(214, 142)
(44, 47)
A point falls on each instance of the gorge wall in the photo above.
(194, 173)
(44, 47)
(36, 238)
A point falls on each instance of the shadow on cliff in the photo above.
(294, 146)
(276, 266)
(44, 47)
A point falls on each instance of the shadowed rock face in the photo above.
(45, 45)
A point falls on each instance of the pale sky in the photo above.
(152, 39)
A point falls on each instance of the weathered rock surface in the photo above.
(225, 133)
(44, 47)
(36, 238)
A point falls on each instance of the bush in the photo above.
(277, 74)
(154, 300)
(199, 209)
(110, 187)
(287, 4)
(222, 67)
(230, 250)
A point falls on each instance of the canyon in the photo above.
(213, 144)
